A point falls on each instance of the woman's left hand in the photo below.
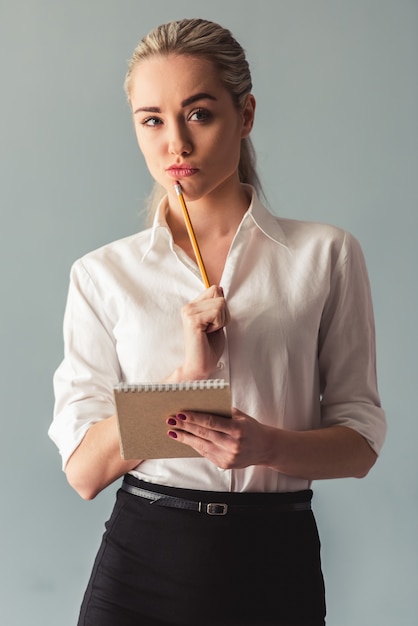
(240, 441)
(230, 443)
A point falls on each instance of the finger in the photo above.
(211, 314)
(214, 296)
(201, 439)
(202, 424)
(211, 292)
(217, 447)
(203, 304)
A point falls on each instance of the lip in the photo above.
(181, 171)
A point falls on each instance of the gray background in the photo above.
(336, 131)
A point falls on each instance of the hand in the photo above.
(204, 340)
(229, 443)
(323, 453)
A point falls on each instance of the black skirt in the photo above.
(160, 566)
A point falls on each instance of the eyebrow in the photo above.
(184, 103)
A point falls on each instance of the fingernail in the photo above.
(181, 416)
(171, 421)
(172, 434)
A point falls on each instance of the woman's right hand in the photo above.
(96, 462)
(203, 322)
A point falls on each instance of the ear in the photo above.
(248, 114)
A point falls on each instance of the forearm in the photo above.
(97, 462)
(335, 452)
(203, 322)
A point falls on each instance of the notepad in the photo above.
(142, 411)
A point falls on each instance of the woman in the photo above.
(287, 320)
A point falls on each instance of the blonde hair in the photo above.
(202, 38)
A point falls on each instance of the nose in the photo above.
(179, 143)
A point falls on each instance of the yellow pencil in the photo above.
(191, 234)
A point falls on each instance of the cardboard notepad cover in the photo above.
(142, 411)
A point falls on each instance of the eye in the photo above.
(151, 121)
(200, 115)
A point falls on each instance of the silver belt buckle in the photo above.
(216, 508)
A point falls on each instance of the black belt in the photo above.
(213, 508)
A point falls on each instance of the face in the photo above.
(187, 125)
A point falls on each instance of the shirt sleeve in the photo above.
(347, 350)
(84, 381)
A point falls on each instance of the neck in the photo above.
(216, 215)
(215, 220)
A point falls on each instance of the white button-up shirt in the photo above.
(300, 349)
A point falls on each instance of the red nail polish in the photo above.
(181, 416)
(172, 434)
(171, 421)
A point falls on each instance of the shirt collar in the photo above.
(265, 221)
(159, 227)
(256, 214)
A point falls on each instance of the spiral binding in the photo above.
(212, 383)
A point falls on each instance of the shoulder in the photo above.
(294, 233)
(320, 244)
(301, 231)
(320, 238)
(309, 240)
(115, 255)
